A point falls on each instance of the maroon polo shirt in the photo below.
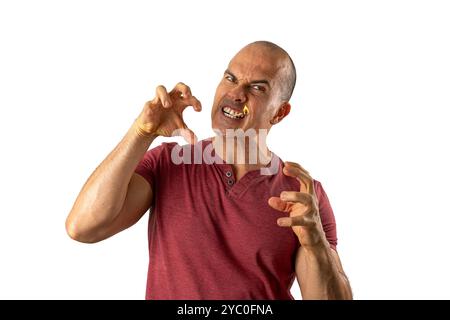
(212, 237)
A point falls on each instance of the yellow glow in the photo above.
(245, 110)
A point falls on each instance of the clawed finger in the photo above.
(306, 182)
(195, 103)
(293, 196)
(296, 221)
(292, 221)
(163, 96)
(294, 164)
(278, 204)
(183, 90)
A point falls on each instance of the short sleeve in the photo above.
(326, 215)
(148, 166)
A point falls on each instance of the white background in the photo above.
(369, 120)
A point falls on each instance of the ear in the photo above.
(282, 112)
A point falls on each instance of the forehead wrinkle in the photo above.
(252, 72)
(257, 63)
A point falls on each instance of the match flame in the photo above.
(245, 110)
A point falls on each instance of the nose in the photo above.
(237, 94)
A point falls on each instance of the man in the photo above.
(219, 229)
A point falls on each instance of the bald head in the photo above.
(287, 73)
(260, 78)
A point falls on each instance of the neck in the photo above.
(243, 153)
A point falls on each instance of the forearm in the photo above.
(102, 196)
(322, 278)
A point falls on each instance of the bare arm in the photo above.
(114, 197)
(320, 274)
(318, 267)
(112, 189)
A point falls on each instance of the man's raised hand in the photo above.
(163, 116)
(302, 207)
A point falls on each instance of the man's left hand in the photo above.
(302, 208)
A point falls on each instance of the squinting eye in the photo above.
(229, 78)
(259, 88)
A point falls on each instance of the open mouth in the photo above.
(232, 113)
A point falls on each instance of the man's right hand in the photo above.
(162, 116)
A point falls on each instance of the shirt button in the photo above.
(230, 182)
(228, 174)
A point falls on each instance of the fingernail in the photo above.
(283, 195)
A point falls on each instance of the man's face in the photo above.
(252, 80)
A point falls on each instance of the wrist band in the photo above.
(138, 128)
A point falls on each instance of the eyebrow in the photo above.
(252, 82)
